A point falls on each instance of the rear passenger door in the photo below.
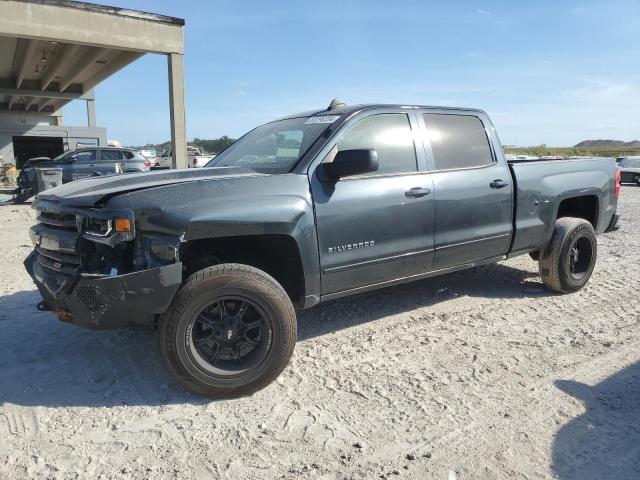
(473, 189)
(108, 160)
(375, 227)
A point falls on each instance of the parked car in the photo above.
(629, 169)
(82, 163)
(195, 158)
(299, 211)
(148, 154)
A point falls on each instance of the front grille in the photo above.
(66, 263)
(58, 255)
(58, 221)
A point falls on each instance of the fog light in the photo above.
(122, 225)
(35, 237)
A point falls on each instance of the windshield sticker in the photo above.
(322, 119)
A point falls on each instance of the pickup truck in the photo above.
(303, 210)
(195, 158)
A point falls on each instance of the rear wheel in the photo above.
(567, 262)
(229, 332)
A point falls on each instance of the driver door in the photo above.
(83, 164)
(377, 227)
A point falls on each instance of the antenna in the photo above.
(336, 103)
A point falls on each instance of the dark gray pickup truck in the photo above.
(302, 210)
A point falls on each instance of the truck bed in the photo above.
(542, 185)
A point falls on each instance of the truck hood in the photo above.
(88, 192)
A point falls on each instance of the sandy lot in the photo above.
(475, 375)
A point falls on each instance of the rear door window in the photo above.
(630, 163)
(111, 155)
(389, 134)
(457, 141)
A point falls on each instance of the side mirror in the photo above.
(351, 162)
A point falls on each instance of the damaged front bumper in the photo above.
(106, 302)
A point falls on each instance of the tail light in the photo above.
(147, 164)
(616, 192)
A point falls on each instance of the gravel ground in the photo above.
(475, 375)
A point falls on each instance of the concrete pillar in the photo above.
(176, 110)
(91, 113)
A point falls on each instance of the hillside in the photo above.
(608, 144)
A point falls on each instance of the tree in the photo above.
(215, 145)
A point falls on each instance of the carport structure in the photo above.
(56, 51)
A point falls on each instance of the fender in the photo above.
(231, 207)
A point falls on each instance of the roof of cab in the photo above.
(350, 109)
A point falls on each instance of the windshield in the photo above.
(272, 148)
(63, 155)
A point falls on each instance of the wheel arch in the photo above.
(586, 207)
(278, 255)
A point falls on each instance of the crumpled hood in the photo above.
(88, 192)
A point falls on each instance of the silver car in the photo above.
(81, 163)
(629, 169)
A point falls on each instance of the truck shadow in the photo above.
(45, 362)
(604, 442)
(49, 363)
(489, 281)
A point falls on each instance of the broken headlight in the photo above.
(109, 227)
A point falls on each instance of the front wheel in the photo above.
(566, 264)
(230, 331)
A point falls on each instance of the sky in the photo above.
(552, 72)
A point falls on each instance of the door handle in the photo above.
(417, 192)
(498, 183)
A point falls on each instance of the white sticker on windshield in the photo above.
(322, 119)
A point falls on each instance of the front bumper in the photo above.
(107, 302)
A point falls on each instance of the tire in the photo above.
(213, 309)
(562, 269)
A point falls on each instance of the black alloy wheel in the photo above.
(229, 335)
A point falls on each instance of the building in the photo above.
(56, 51)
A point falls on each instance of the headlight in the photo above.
(109, 227)
(99, 227)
